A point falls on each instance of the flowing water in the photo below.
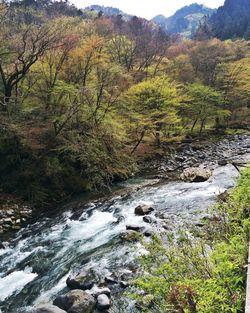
(35, 265)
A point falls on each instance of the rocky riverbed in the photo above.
(204, 154)
(83, 258)
(14, 213)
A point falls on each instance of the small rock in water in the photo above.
(75, 301)
(81, 281)
(111, 280)
(47, 308)
(103, 302)
(133, 227)
(143, 209)
(96, 291)
(147, 219)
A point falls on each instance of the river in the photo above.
(37, 261)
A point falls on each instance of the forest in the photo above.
(83, 96)
(120, 146)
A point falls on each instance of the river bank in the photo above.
(167, 166)
(86, 236)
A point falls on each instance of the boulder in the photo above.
(130, 235)
(103, 302)
(76, 301)
(47, 308)
(81, 281)
(143, 209)
(196, 174)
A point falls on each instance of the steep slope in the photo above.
(232, 20)
(185, 21)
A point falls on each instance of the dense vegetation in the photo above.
(83, 95)
(201, 274)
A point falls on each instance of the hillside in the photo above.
(185, 21)
(232, 20)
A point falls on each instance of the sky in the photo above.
(148, 8)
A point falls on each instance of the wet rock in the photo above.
(96, 291)
(134, 227)
(2, 245)
(81, 281)
(124, 284)
(8, 221)
(103, 302)
(111, 280)
(47, 308)
(222, 162)
(196, 174)
(76, 301)
(147, 219)
(143, 209)
(119, 220)
(130, 235)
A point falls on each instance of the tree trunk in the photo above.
(193, 126)
(202, 126)
(6, 98)
(138, 142)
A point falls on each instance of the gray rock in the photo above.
(81, 281)
(103, 302)
(111, 280)
(10, 212)
(8, 221)
(143, 209)
(96, 291)
(76, 301)
(47, 308)
(196, 174)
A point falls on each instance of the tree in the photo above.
(205, 57)
(203, 104)
(22, 49)
(123, 51)
(154, 102)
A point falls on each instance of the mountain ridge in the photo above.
(185, 21)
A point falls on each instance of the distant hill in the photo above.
(232, 20)
(185, 21)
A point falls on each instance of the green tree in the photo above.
(155, 103)
(203, 104)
